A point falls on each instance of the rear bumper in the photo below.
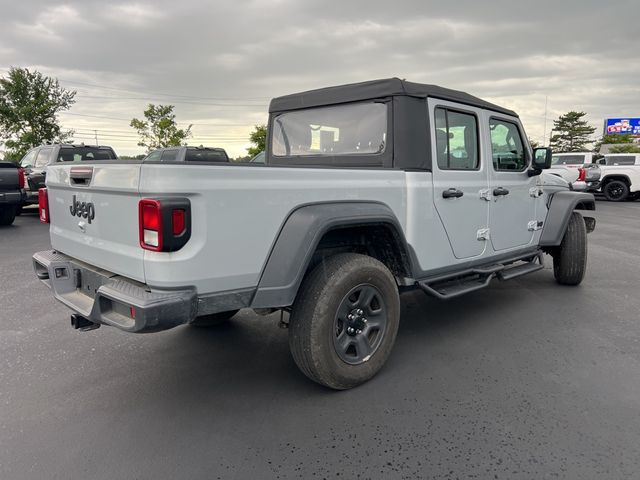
(105, 298)
(12, 198)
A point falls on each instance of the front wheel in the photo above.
(616, 191)
(344, 321)
(570, 258)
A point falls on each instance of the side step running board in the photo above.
(455, 284)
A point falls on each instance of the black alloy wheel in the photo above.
(360, 324)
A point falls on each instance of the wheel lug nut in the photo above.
(358, 331)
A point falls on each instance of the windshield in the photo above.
(78, 154)
(354, 129)
(567, 160)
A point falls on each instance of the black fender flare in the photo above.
(561, 205)
(299, 236)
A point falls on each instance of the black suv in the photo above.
(36, 161)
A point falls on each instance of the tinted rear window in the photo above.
(206, 156)
(621, 160)
(567, 160)
(78, 154)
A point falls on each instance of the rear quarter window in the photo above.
(342, 134)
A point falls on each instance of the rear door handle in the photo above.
(452, 193)
(500, 191)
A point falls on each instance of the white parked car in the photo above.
(620, 176)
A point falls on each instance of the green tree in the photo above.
(29, 106)
(159, 129)
(616, 139)
(572, 132)
(625, 148)
(624, 143)
(259, 138)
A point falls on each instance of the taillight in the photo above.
(165, 223)
(150, 221)
(582, 174)
(43, 205)
(21, 179)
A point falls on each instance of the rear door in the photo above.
(460, 179)
(513, 209)
(94, 214)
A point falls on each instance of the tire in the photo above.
(323, 313)
(616, 191)
(7, 215)
(570, 258)
(18, 210)
(214, 319)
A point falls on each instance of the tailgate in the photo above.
(94, 215)
(8, 177)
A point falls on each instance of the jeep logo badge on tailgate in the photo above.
(82, 209)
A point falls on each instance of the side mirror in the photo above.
(541, 158)
(602, 161)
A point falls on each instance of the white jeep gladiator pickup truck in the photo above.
(368, 189)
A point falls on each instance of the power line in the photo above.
(189, 123)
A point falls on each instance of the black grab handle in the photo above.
(500, 191)
(452, 193)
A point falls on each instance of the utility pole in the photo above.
(544, 134)
(96, 134)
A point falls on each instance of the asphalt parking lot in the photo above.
(525, 379)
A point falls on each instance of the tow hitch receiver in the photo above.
(83, 324)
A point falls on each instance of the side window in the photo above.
(456, 140)
(355, 129)
(154, 156)
(622, 160)
(169, 155)
(507, 148)
(42, 160)
(29, 159)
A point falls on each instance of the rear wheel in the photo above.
(214, 319)
(344, 321)
(7, 215)
(570, 258)
(616, 191)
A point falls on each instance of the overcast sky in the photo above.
(220, 62)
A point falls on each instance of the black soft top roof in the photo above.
(387, 87)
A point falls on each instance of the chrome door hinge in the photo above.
(535, 192)
(485, 194)
(483, 234)
(534, 225)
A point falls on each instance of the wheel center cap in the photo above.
(356, 322)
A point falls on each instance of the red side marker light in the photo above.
(178, 223)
